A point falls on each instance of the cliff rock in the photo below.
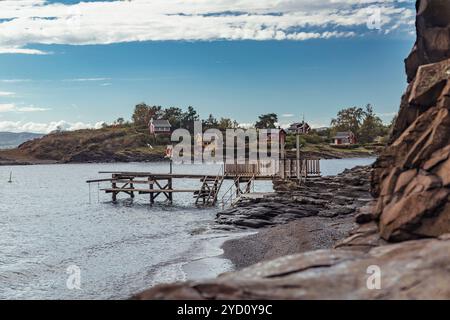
(411, 178)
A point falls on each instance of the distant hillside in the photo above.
(112, 144)
(12, 140)
(130, 144)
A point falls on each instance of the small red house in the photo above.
(344, 138)
(159, 126)
(299, 127)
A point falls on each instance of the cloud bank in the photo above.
(26, 23)
(11, 107)
(36, 127)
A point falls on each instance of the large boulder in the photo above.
(408, 270)
(411, 178)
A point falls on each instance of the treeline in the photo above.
(363, 122)
(180, 118)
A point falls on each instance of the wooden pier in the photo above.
(243, 176)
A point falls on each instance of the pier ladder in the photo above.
(209, 190)
(235, 191)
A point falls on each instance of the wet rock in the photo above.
(362, 218)
(324, 197)
(252, 223)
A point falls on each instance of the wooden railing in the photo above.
(260, 168)
(284, 168)
(303, 168)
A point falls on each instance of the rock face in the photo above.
(409, 270)
(411, 177)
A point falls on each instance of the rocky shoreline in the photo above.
(296, 218)
(328, 197)
(12, 157)
(336, 153)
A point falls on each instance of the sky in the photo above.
(78, 64)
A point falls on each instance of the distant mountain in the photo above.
(10, 140)
(321, 129)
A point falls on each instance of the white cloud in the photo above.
(387, 114)
(28, 22)
(287, 115)
(87, 79)
(6, 94)
(11, 107)
(7, 107)
(20, 126)
(15, 50)
(14, 80)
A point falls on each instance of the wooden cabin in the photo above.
(299, 127)
(344, 138)
(160, 126)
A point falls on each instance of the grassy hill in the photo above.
(129, 144)
(111, 144)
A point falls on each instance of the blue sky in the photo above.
(65, 63)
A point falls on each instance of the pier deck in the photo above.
(243, 177)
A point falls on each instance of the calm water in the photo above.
(50, 220)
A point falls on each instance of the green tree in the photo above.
(188, 119)
(174, 115)
(225, 123)
(267, 121)
(143, 113)
(371, 127)
(140, 115)
(349, 119)
(211, 122)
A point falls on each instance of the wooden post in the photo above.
(152, 198)
(114, 186)
(298, 154)
(307, 169)
(293, 169)
(169, 183)
(131, 187)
